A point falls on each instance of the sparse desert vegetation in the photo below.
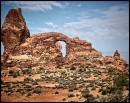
(88, 88)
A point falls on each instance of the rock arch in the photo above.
(39, 48)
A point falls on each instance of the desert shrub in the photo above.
(64, 99)
(117, 86)
(29, 94)
(93, 88)
(41, 68)
(51, 77)
(71, 95)
(121, 80)
(91, 84)
(8, 94)
(38, 86)
(14, 73)
(90, 98)
(38, 80)
(82, 70)
(28, 79)
(10, 90)
(37, 90)
(28, 89)
(77, 95)
(27, 71)
(115, 97)
(71, 89)
(35, 83)
(73, 68)
(58, 67)
(63, 74)
(110, 88)
(56, 92)
(85, 93)
(104, 91)
(126, 99)
(11, 72)
(110, 71)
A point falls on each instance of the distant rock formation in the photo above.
(116, 55)
(43, 49)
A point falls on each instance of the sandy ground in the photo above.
(47, 95)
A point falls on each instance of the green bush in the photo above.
(37, 90)
(64, 99)
(71, 95)
(64, 74)
(85, 93)
(73, 68)
(51, 77)
(71, 89)
(121, 80)
(27, 71)
(90, 98)
(14, 73)
(115, 97)
(104, 91)
(110, 71)
(56, 92)
(110, 88)
(11, 72)
(82, 70)
(93, 88)
(28, 79)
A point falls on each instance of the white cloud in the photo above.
(67, 4)
(113, 24)
(37, 5)
(36, 30)
(51, 24)
(79, 5)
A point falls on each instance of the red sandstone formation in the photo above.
(43, 49)
(14, 31)
(116, 55)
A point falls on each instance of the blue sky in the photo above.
(103, 23)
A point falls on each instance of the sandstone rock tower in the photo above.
(116, 55)
(14, 31)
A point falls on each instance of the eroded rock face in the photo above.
(116, 61)
(14, 31)
(43, 49)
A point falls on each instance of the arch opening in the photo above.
(63, 48)
(2, 48)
